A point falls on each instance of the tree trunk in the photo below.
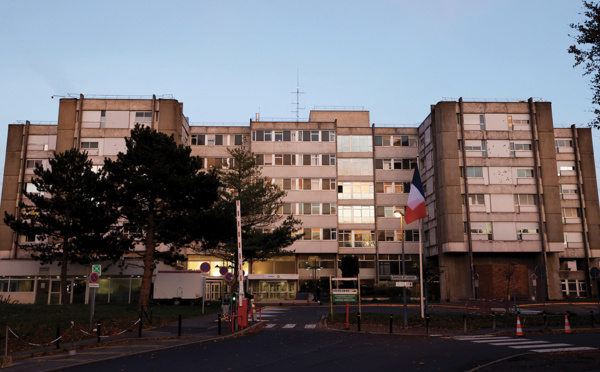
(64, 295)
(149, 265)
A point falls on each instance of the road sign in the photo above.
(97, 269)
(229, 277)
(344, 295)
(403, 277)
(94, 277)
(205, 267)
(404, 284)
(223, 270)
(94, 285)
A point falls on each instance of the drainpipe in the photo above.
(538, 181)
(586, 243)
(23, 167)
(467, 206)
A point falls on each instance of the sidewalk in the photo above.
(194, 330)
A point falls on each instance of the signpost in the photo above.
(397, 278)
(344, 295)
(404, 284)
(93, 283)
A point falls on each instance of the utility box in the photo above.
(179, 286)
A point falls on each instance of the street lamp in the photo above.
(398, 214)
(314, 278)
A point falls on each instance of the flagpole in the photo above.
(421, 266)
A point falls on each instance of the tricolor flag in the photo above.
(415, 208)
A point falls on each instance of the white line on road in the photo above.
(539, 346)
(519, 342)
(289, 326)
(565, 349)
(310, 326)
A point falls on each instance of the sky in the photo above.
(227, 60)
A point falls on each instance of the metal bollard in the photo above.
(99, 331)
(494, 328)
(179, 327)
(545, 322)
(391, 322)
(219, 324)
(427, 324)
(57, 338)
(592, 317)
(358, 321)
(465, 323)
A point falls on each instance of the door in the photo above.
(213, 291)
(42, 290)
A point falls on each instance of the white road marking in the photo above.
(270, 325)
(311, 326)
(517, 342)
(533, 347)
(564, 349)
(289, 326)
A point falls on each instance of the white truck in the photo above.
(179, 286)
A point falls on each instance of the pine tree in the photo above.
(265, 233)
(163, 196)
(68, 215)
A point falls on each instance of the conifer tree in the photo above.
(68, 216)
(163, 196)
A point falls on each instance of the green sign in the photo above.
(344, 295)
(97, 269)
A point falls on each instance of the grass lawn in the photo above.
(38, 324)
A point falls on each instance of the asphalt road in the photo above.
(291, 341)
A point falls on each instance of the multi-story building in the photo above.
(508, 196)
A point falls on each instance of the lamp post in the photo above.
(398, 214)
(314, 278)
(512, 266)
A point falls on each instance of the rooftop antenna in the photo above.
(297, 93)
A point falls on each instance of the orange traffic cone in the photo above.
(567, 325)
(519, 330)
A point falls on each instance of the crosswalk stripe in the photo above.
(271, 325)
(532, 347)
(310, 326)
(492, 340)
(289, 326)
(576, 348)
(518, 342)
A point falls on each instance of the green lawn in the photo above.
(38, 324)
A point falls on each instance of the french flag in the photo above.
(415, 208)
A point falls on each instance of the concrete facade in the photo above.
(504, 190)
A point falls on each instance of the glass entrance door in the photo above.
(213, 291)
(280, 290)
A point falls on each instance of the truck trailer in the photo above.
(177, 286)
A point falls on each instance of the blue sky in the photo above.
(227, 60)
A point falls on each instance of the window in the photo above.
(482, 122)
(238, 139)
(476, 145)
(355, 167)
(411, 235)
(392, 187)
(278, 136)
(355, 190)
(386, 235)
(481, 230)
(405, 141)
(356, 214)
(89, 145)
(268, 135)
(569, 214)
(514, 123)
(143, 116)
(525, 173)
(527, 228)
(32, 189)
(567, 190)
(388, 211)
(476, 199)
(525, 202)
(475, 172)
(33, 163)
(328, 184)
(198, 139)
(355, 144)
(563, 145)
(356, 239)
(328, 159)
(519, 146)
